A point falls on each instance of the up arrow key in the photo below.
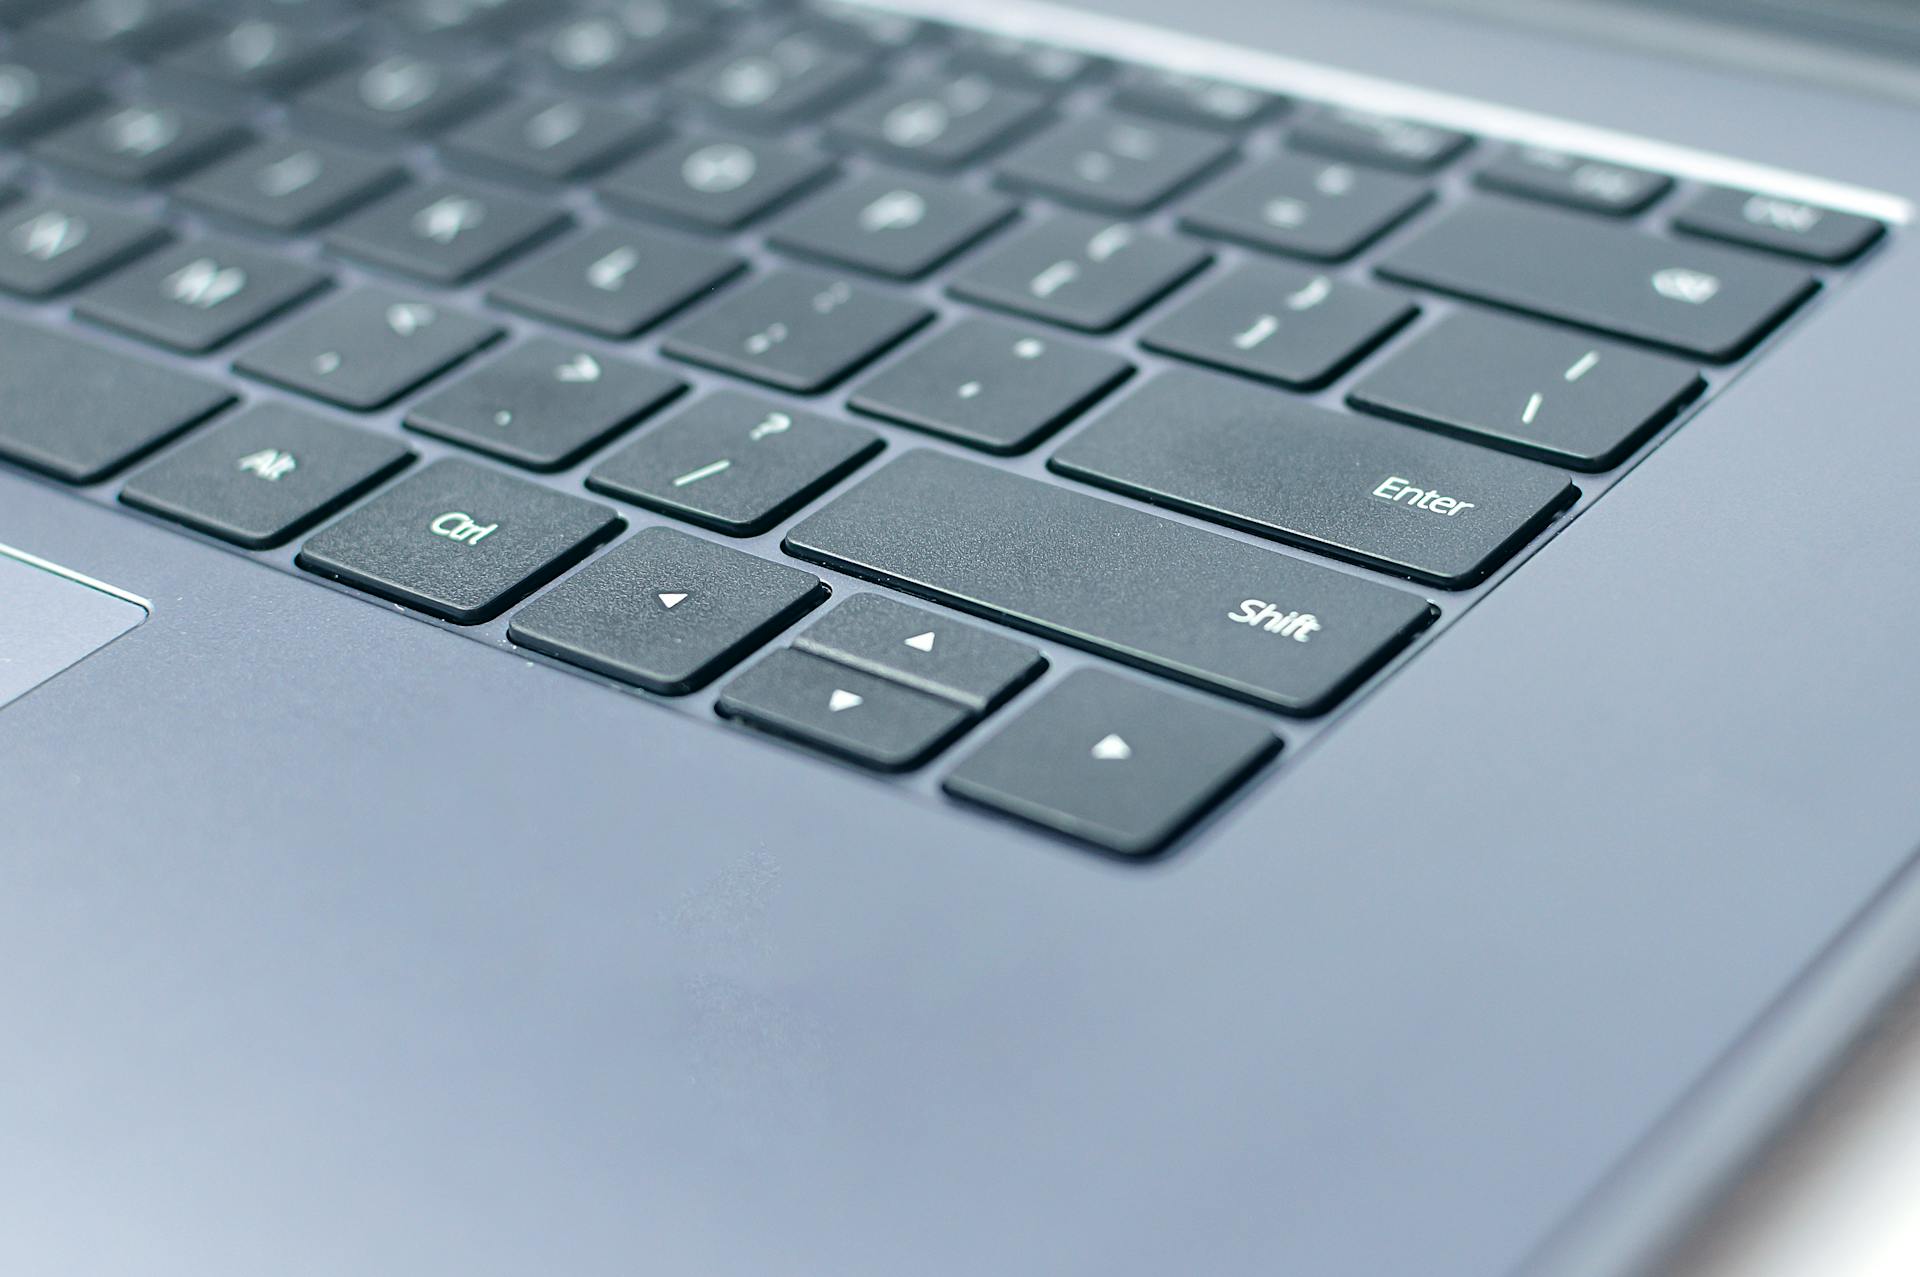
(1112, 749)
(921, 642)
(672, 600)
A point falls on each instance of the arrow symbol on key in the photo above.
(671, 600)
(921, 642)
(1112, 749)
(843, 699)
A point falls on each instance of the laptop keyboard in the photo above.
(634, 336)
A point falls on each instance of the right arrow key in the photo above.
(1114, 762)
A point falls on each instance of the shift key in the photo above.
(1208, 609)
(1390, 496)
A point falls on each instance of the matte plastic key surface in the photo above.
(795, 329)
(290, 184)
(1537, 389)
(965, 663)
(872, 721)
(459, 540)
(1778, 225)
(261, 476)
(1386, 495)
(1251, 622)
(543, 404)
(1114, 761)
(996, 386)
(734, 462)
(1696, 298)
(199, 295)
(78, 411)
(366, 347)
(666, 611)
(55, 242)
(615, 279)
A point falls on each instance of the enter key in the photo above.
(1374, 492)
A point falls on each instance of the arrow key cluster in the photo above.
(882, 683)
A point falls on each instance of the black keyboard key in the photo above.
(1779, 225)
(1542, 392)
(197, 296)
(34, 99)
(85, 32)
(666, 611)
(1113, 162)
(1280, 323)
(938, 125)
(446, 232)
(1080, 271)
(253, 56)
(720, 183)
(734, 462)
(1114, 762)
(1377, 139)
(991, 385)
(891, 223)
(937, 654)
(550, 139)
(1389, 496)
(1577, 182)
(856, 27)
(78, 412)
(55, 242)
(797, 330)
(615, 280)
(1305, 207)
(392, 99)
(459, 541)
(774, 82)
(289, 185)
(1022, 64)
(843, 711)
(1191, 604)
(1698, 299)
(366, 348)
(140, 143)
(621, 44)
(544, 404)
(460, 25)
(264, 475)
(1193, 99)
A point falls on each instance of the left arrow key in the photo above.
(666, 610)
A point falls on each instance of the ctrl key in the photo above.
(459, 541)
(1114, 762)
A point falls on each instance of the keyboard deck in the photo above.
(645, 339)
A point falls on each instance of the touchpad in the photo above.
(50, 618)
